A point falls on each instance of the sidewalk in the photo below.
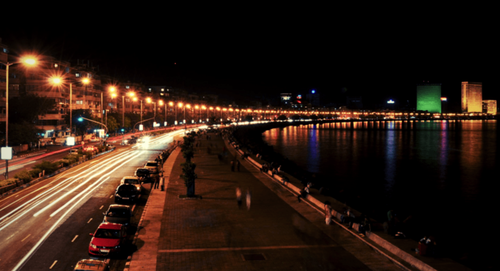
(276, 232)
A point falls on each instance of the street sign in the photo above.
(6, 153)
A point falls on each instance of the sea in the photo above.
(437, 175)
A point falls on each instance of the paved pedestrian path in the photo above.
(275, 233)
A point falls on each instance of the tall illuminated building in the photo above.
(429, 98)
(472, 97)
(490, 107)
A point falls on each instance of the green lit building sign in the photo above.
(429, 98)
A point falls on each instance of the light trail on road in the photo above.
(38, 210)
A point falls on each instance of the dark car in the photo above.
(109, 238)
(142, 172)
(118, 213)
(126, 193)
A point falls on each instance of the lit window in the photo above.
(56, 65)
(77, 74)
(127, 87)
(162, 89)
(161, 94)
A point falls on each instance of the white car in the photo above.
(133, 180)
(152, 166)
(92, 265)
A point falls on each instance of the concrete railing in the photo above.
(337, 214)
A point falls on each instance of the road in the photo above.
(47, 225)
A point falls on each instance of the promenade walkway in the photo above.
(275, 232)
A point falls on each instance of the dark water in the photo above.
(440, 175)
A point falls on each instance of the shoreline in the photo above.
(252, 138)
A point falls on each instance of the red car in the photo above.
(109, 238)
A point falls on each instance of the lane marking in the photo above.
(110, 196)
(241, 248)
(26, 237)
(76, 236)
(89, 220)
(53, 264)
(101, 207)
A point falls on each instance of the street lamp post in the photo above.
(178, 105)
(171, 105)
(28, 61)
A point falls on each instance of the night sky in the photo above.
(242, 52)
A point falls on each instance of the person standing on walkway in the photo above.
(156, 182)
(238, 165)
(238, 197)
(249, 199)
(303, 193)
(328, 212)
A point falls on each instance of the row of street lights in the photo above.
(6, 153)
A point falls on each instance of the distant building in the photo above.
(312, 98)
(429, 98)
(472, 97)
(286, 99)
(354, 102)
(490, 107)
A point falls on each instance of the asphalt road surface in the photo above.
(46, 226)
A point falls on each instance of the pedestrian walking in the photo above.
(238, 197)
(249, 199)
(238, 165)
(156, 182)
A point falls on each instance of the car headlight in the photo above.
(93, 246)
(118, 196)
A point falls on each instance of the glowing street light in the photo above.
(29, 61)
(58, 81)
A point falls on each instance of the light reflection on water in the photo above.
(444, 166)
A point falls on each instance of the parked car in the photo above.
(118, 213)
(92, 265)
(126, 193)
(143, 174)
(133, 180)
(73, 151)
(109, 238)
(152, 166)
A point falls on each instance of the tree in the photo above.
(188, 167)
(282, 118)
(112, 124)
(248, 118)
(23, 115)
